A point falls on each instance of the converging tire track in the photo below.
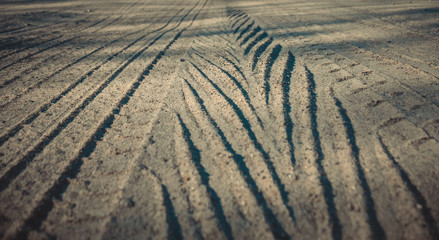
(53, 191)
(218, 120)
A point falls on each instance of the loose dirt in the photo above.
(206, 119)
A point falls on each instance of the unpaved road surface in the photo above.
(205, 119)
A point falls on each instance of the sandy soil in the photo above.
(303, 119)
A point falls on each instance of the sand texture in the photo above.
(215, 119)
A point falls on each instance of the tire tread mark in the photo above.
(108, 24)
(29, 47)
(261, 49)
(232, 55)
(39, 43)
(237, 20)
(288, 123)
(247, 126)
(233, 12)
(236, 68)
(10, 133)
(259, 38)
(270, 217)
(41, 212)
(270, 62)
(328, 190)
(237, 83)
(13, 172)
(237, 15)
(53, 74)
(245, 30)
(252, 34)
(376, 228)
(81, 58)
(214, 198)
(37, 52)
(417, 195)
(49, 47)
(57, 44)
(240, 25)
(174, 228)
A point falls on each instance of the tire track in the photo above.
(29, 47)
(10, 53)
(324, 181)
(236, 68)
(275, 226)
(245, 30)
(45, 48)
(368, 61)
(14, 171)
(401, 95)
(143, 107)
(376, 228)
(40, 213)
(269, 64)
(29, 119)
(420, 199)
(240, 206)
(51, 58)
(261, 49)
(254, 42)
(239, 85)
(243, 17)
(253, 33)
(240, 25)
(126, 222)
(17, 169)
(386, 195)
(204, 175)
(258, 146)
(174, 228)
(33, 85)
(123, 150)
(288, 123)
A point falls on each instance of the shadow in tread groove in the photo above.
(214, 198)
(56, 72)
(54, 100)
(328, 190)
(242, 90)
(254, 42)
(245, 30)
(288, 123)
(41, 212)
(30, 47)
(270, 217)
(252, 34)
(261, 49)
(174, 228)
(40, 51)
(240, 25)
(236, 68)
(12, 173)
(417, 195)
(238, 20)
(247, 126)
(376, 228)
(270, 62)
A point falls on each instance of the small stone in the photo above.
(130, 203)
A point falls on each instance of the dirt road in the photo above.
(203, 119)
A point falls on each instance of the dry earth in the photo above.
(203, 119)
